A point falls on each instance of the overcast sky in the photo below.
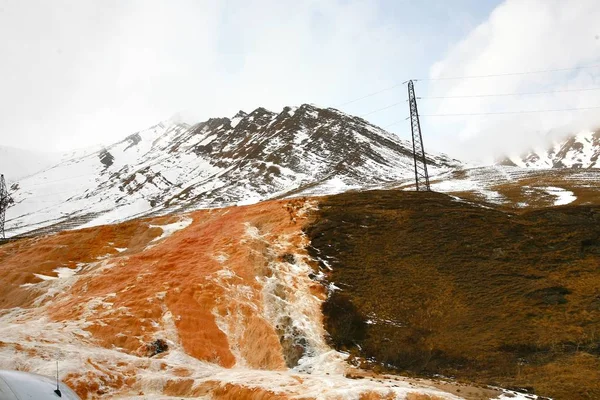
(79, 73)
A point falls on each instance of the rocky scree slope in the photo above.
(251, 157)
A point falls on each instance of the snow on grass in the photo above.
(563, 196)
(456, 185)
(511, 395)
(331, 186)
(492, 196)
(468, 185)
(169, 229)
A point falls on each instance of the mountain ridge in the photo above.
(580, 150)
(254, 156)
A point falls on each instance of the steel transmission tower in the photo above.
(4, 200)
(421, 175)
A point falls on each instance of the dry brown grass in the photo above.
(376, 396)
(238, 392)
(417, 396)
(465, 291)
(529, 191)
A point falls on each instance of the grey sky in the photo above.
(78, 73)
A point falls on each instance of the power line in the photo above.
(366, 96)
(508, 94)
(45, 183)
(371, 94)
(495, 113)
(509, 73)
(510, 112)
(381, 109)
(486, 95)
(74, 193)
(5, 200)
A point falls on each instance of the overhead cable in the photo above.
(468, 77)
(497, 113)
(508, 94)
(544, 71)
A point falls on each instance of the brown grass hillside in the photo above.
(432, 285)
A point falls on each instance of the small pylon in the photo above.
(421, 175)
(4, 201)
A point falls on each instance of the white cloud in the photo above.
(518, 36)
(77, 73)
(83, 72)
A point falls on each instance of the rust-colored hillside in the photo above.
(220, 303)
(432, 285)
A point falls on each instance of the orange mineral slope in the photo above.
(213, 304)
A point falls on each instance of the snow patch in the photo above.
(169, 229)
(300, 137)
(65, 272)
(563, 196)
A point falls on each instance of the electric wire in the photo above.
(478, 96)
(370, 94)
(383, 108)
(496, 113)
(508, 94)
(544, 71)
(45, 183)
(509, 112)
(366, 96)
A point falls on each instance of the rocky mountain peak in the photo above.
(581, 150)
(240, 114)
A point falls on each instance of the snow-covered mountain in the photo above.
(251, 157)
(578, 151)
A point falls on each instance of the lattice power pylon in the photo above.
(4, 200)
(421, 175)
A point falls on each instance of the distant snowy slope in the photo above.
(18, 163)
(578, 151)
(248, 158)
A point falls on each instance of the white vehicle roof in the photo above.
(17, 385)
